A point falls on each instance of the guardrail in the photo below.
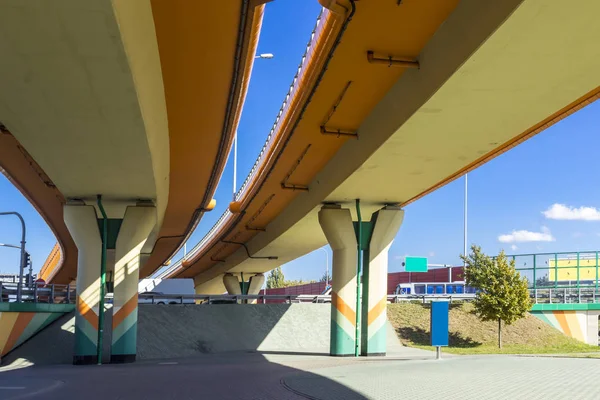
(52, 293)
(547, 295)
(163, 298)
(55, 293)
(565, 295)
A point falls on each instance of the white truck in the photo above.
(155, 290)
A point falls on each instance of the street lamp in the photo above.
(10, 245)
(264, 56)
(23, 258)
(465, 218)
(326, 267)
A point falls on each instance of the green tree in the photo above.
(502, 293)
(275, 279)
(542, 281)
(296, 283)
(326, 277)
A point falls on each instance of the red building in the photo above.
(394, 278)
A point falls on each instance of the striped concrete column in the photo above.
(384, 224)
(339, 231)
(255, 284)
(137, 224)
(213, 286)
(232, 284)
(82, 223)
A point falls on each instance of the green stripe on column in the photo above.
(85, 337)
(341, 344)
(377, 343)
(125, 326)
(84, 346)
(126, 344)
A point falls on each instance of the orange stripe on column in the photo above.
(21, 323)
(87, 312)
(125, 310)
(343, 308)
(377, 309)
(562, 320)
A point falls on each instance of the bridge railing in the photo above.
(564, 270)
(35, 293)
(565, 295)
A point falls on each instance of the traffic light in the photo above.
(27, 258)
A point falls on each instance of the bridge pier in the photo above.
(236, 286)
(378, 234)
(384, 225)
(137, 224)
(128, 230)
(82, 223)
(213, 286)
(339, 231)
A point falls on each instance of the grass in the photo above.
(468, 335)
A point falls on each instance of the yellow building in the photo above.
(565, 269)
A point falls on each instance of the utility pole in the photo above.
(23, 261)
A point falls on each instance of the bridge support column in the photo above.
(255, 283)
(137, 224)
(339, 231)
(384, 226)
(82, 223)
(234, 286)
(213, 286)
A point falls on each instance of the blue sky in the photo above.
(507, 196)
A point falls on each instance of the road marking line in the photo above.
(168, 363)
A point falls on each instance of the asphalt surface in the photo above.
(254, 376)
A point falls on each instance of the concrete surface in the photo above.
(178, 331)
(254, 376)
(55, 343)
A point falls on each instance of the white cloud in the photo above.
(577, 234)
(527, 236)
(514, 247)
(564, 212)
(431, 254)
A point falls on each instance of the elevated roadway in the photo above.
(106, 98)
(116, 120)
(488, 78)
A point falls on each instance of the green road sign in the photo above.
(415, 264)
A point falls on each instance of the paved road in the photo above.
(287, 376)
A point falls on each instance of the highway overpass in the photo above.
(392, 101)
(127, 100)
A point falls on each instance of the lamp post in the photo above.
(266, 56)
(326, 267)
(465, 218)
(23, 260)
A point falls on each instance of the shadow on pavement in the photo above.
(423, 338)
(241, 376)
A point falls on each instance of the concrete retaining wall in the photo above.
(175, 331)
(578, 324)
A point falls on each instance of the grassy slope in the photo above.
(468, 335)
